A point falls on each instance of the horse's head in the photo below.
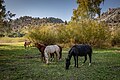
(67, 63)
(39, 45)
(36, 44)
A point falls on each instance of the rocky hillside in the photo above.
(112, 17)
(27, 21)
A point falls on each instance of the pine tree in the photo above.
(2, 12)
(66, 23)
(5, 18)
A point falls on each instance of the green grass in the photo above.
(16, 63)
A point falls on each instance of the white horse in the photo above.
(51, 49)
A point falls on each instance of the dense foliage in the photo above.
(86, 31)
(43, 34)
(116, 36)
(87, 9)
(5, 18)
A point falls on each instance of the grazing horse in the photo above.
(27, 43)
(51, 49)
(42, 47)
(79, 50)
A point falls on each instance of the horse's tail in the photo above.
(60, 53)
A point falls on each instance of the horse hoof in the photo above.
(60, 59)
(47, 63)
(82, 64)
(89, 64)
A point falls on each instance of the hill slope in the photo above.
(112, 16)
(27, 21)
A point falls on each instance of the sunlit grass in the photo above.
(16, 63)
(11, 40)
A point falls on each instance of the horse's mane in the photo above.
(39, 44)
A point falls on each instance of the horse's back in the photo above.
(51, 48)
(57, 48)
(82, 49)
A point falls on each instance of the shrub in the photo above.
(116, 37)
(44, 35)
(85, 32)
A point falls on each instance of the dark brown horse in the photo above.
(42, 47)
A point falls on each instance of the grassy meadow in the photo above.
(16, 63)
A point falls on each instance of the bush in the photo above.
(116, 37)
(85, 32)
(45, 35)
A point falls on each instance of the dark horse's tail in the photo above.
(60, 53)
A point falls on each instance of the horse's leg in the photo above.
(75, 60)
(53, 56)
(25, 46)
(46, 57)
(57, 57)
(29, 45)
(50, 56)
(42, 57)
(90, 56)
(60, 53)
(85, 59)
(60, 56)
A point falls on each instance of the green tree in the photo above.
(5, 18)
(66, 23)
(87, 9)
(2, 13)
